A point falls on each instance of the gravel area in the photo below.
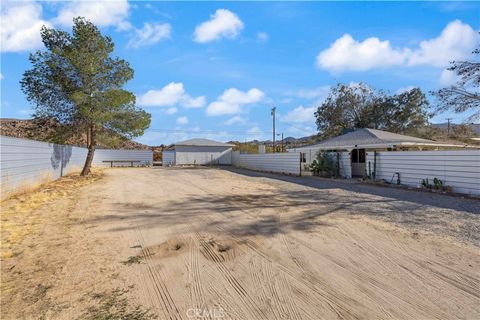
(438, 214)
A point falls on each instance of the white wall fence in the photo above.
(26, 163)
(458, 169)
(203, 155)
(168, 158)
(288, 163)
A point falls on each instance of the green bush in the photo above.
(324, 165)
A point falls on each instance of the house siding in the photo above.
(203, 155)
(168, 158)
(458, 169)
(288, 163)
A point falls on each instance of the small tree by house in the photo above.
(78, 83)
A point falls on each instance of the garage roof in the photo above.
(203, 143)
(372, 138)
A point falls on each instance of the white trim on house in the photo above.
(377, 146)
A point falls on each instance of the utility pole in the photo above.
(448, 127)
(273, 117)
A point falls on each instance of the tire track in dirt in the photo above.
(145, 278)
(161, 291)
(244, 295)
(465, 285)
(197, 293)
(276, 290)
(230, 301)
(288, 299)
(433, 308)
(339, 303)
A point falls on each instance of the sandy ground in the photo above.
(218, 244)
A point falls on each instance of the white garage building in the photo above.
(198, 152)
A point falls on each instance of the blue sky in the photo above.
(214, 69)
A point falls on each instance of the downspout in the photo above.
(300, 173)
(338, 164)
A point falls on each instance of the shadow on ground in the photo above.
(292, 206)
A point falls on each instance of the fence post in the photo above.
(300, 173)
(61, 161)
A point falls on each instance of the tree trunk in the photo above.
(91, 151)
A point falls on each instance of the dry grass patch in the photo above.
(18, 218)
(133, 260)
(115, 305)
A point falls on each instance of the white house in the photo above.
(353, 148)
(198, 152)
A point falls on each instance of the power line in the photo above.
(224, 132)
(210, 131)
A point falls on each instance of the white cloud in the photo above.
(198, 102)
(232, 100)
(150, 34)
(20, 26)
(1, 76)
(182, 120)
(171, 110)
(170, 95)
(101, 13)
(222, 24)
(235, 120)
(262, 37)
(456, 41)
(347, 53)
(300, 114)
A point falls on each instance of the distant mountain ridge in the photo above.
(41, 129)
(474, 126)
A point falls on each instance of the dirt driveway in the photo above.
(219, 244)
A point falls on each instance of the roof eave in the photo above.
(381, 145)
(204, 145)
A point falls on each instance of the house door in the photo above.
(358, 162)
